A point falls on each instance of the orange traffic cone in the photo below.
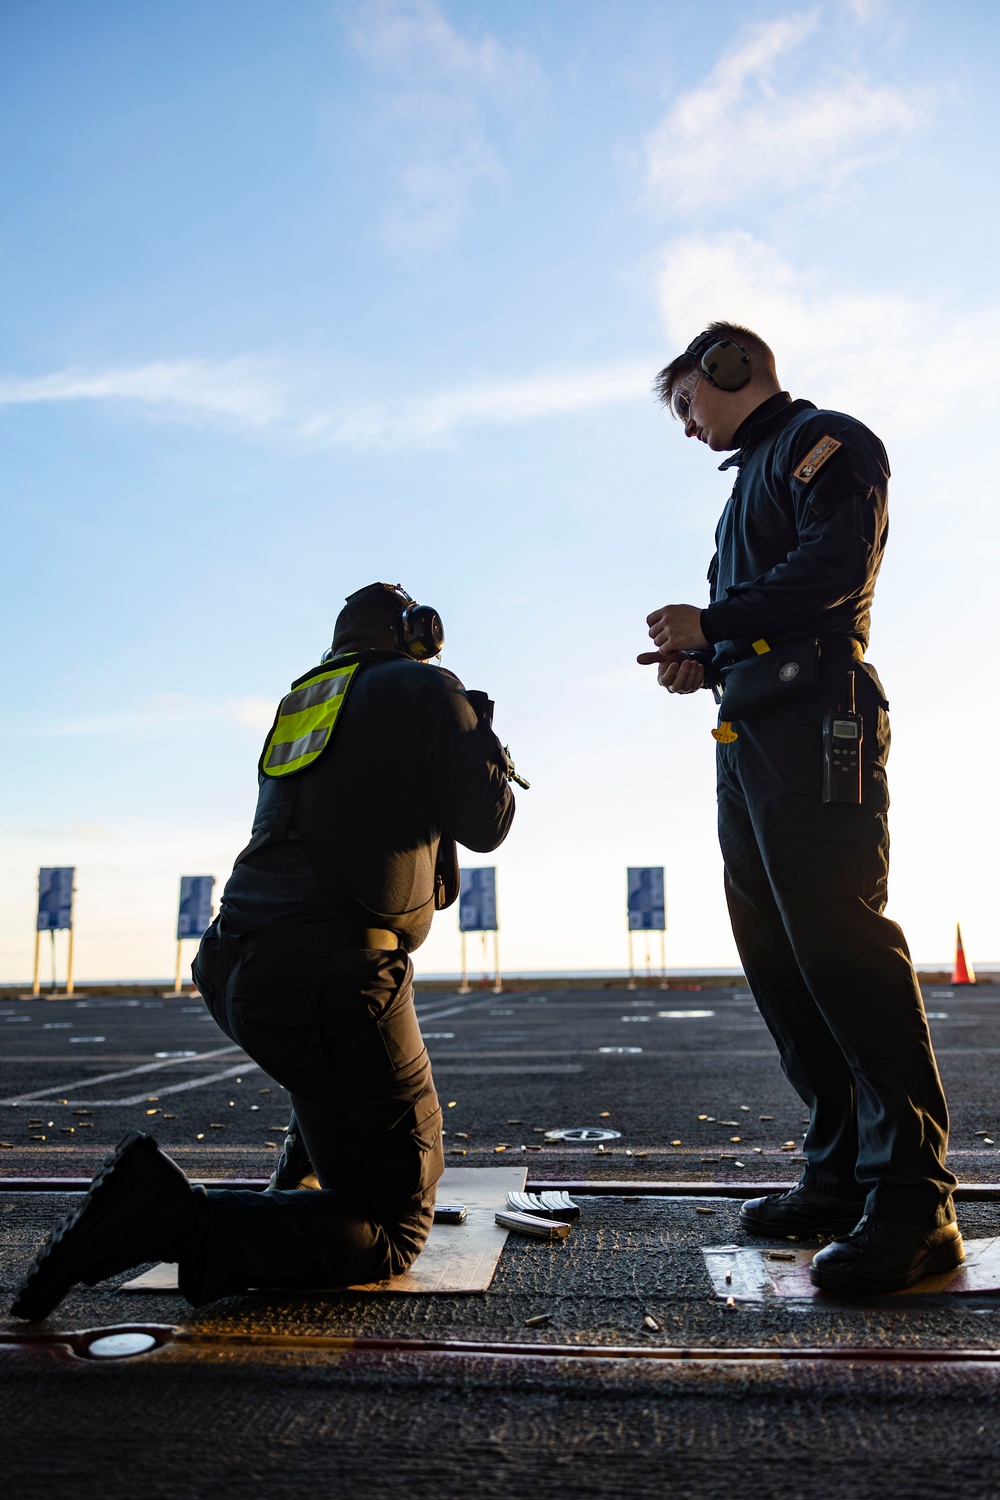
(964, 972)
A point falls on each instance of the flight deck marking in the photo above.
(173, 1088)
(37, 1096)
(454, 1010)
(448, 1069)
(153, 1067)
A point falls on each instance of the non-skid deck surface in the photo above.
(456, 1258)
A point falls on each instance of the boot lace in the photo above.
(864, 1232)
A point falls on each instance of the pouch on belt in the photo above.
(769, 681)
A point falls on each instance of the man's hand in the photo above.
(677, 673)
(677, 627)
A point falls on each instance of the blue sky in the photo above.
(297, 297)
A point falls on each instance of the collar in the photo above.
(750, 431)
(345, 658)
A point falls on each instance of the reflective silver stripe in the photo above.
(313, 693)
(306, 744)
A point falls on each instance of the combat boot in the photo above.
(801, 1212)
(139, 1207)
(880, 1255)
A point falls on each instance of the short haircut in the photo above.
(369, 612)
(761, 357)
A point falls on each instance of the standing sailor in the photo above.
(805, 844)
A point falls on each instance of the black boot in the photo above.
(800, 1212)
(880, 1255)
(140, 1207)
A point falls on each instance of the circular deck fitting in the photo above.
(121, 1345)
(588, 1134)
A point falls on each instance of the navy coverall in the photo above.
(797, 558)
(307, 968)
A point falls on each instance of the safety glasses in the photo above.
(682, 395)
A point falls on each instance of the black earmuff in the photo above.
(419, 632)
(725, 363)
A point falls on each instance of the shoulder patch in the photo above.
(816, 458)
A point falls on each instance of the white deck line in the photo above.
(153, 1067)
(454, 1010)
(173, 1088)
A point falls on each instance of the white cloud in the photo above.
(904, 362)
(902, 358)
(414, 39)
(237, 389)
(434, 418)
(740, 132)
(433, 116)
(170, 713)
(295, 405)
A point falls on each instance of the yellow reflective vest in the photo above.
(306, 719)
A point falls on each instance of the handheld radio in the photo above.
(842, 736)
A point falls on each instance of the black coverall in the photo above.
(806, 881)
(348, 858)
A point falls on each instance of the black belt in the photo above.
(313, 939)
(834, 649)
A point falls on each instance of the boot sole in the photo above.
(947, 1257)
(53, 1275)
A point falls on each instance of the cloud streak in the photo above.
(748, 129)
(236, 389)
(878, 352)
(291, 406)
(436, 418)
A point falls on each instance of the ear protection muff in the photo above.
(725, 363)
(418, 631)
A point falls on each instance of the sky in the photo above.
(298, 297)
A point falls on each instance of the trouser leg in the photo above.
(857, 965)
(341, 1034)
(299, 1240)
(810, 1056)
(827, 869)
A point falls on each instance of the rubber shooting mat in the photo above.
(456, 1258)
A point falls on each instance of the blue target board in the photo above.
(55, 899)
(647, 902)
(477, 901)
(195, 910)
